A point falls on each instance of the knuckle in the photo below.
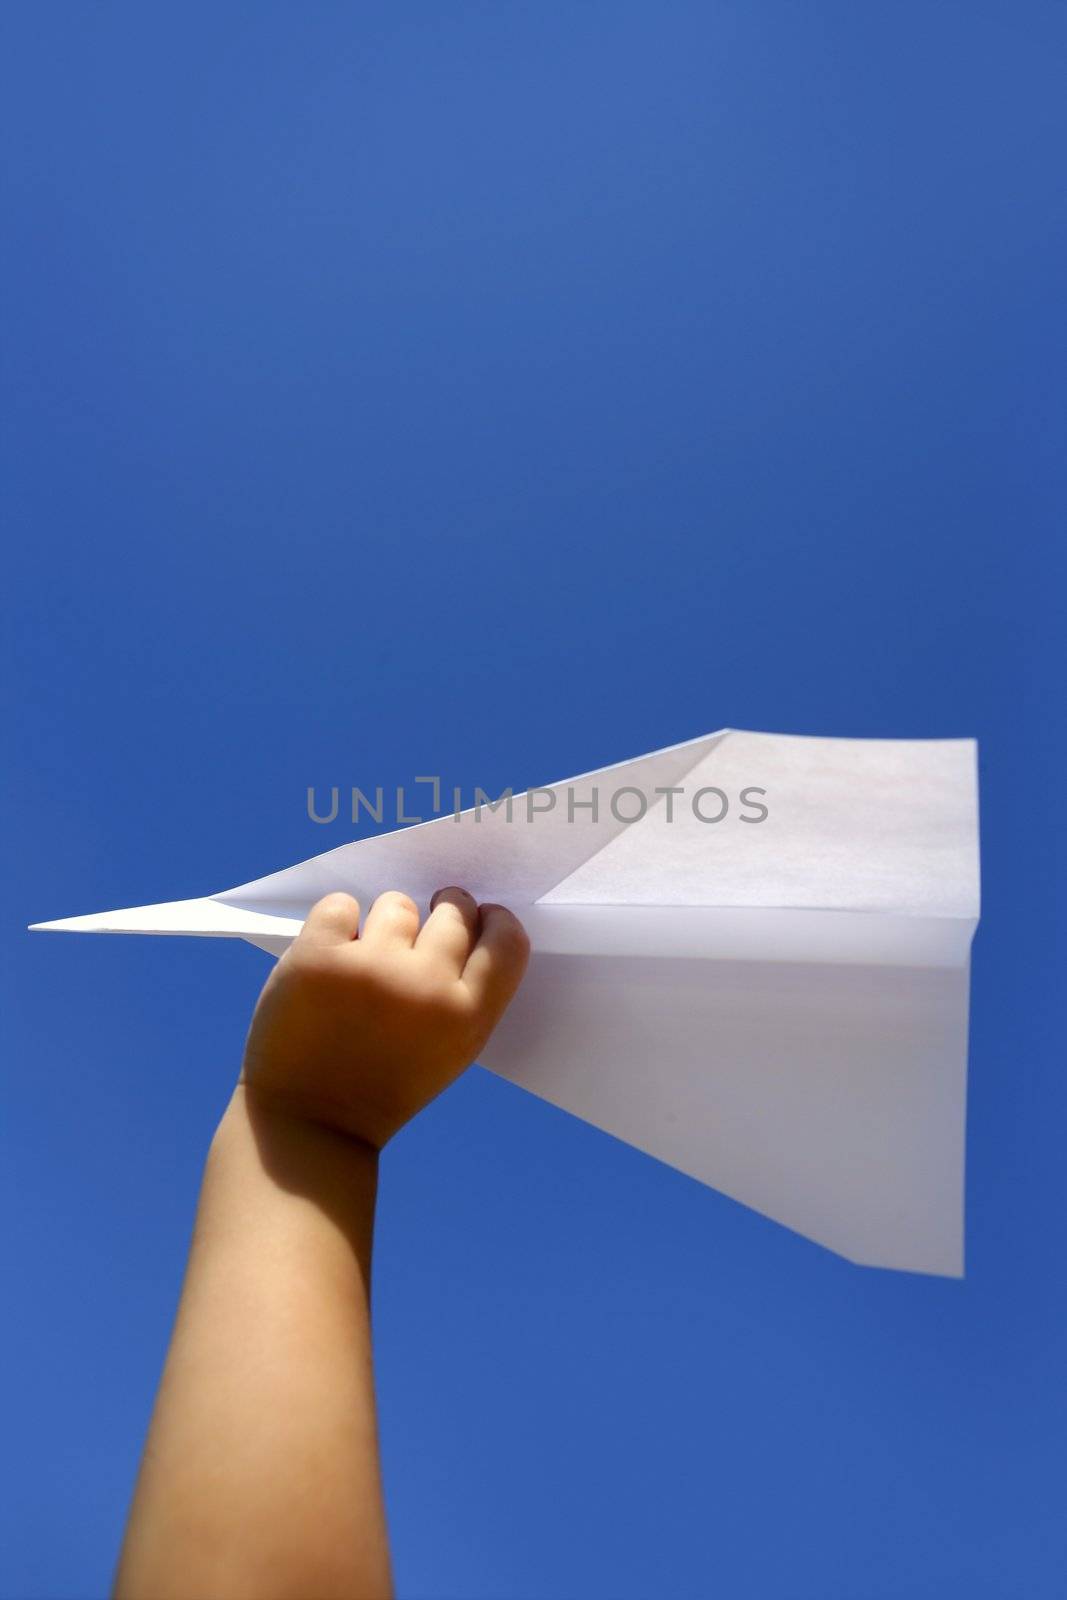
(397, 903)
(337, 901)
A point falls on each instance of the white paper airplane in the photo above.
(775, 1005)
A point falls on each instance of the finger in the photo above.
(449, 932)
(332, 920)
(392, 922)
(495, 966)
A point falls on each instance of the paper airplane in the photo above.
(776, 1005)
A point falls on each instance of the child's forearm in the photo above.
(260, 1476)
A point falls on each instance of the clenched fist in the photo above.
(358, 1030)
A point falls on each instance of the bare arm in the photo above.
(260, 1478)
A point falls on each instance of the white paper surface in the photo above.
(778, 1008)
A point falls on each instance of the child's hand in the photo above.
(360, 1031)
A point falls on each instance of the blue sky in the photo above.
(502, 390)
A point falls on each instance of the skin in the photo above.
(260, 1478)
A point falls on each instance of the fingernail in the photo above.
(449, 888)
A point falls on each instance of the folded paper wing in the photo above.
(775, 1004)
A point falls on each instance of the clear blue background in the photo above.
(500, 390)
